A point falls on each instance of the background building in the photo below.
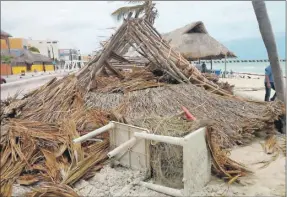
(23, 60)
(49, 48)
(68, 54)
(86, 58)
(17, 45)
(5, 63)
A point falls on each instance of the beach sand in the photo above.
(249, 88)
(269, 181)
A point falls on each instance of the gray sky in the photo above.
(79, 24)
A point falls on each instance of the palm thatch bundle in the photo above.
(237, 120)
(194, 42)
(37, 130)
(36, 138)
(34, 152)
(231, 122)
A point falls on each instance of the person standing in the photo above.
(203, 68)
(269, 83)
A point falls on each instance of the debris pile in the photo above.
(37, 130)
(33, 151)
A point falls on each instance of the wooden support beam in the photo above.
(113, 70)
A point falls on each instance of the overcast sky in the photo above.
(82, 24)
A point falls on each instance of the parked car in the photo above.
(3, 80)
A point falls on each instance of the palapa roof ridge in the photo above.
(150, 44)
(194, 42)
(185, 29)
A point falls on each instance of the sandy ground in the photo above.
(249, 88)
(269, 181)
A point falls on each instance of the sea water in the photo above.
(245, 67)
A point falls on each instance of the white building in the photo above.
(48, 48)
(68, 54)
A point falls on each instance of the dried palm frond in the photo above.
(28, 179)
(45, 152)
(273, 145)
(14, 157)
(82, 167)
(270, 145)
(223, 166)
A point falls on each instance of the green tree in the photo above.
(34, 49)
(6, 59)
(145, 9)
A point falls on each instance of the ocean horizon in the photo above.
(244, 67)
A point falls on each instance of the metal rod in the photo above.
(94, 133)
(160, 138)
(162, 189)
(123, 147)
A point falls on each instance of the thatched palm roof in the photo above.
(27, 57)
(5, 34)
(5, 52)
(194, 42)
(41, 58)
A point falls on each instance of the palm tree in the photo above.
(270, 44)
(145, 9)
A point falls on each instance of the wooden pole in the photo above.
(107, 51)
(225, 67)
(211, 64)
(284, 124)
(113, 70)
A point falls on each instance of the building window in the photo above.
(54, 42)
(40, 42)
(48, 42)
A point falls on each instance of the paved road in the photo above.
(23, 86)
(13, 78)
